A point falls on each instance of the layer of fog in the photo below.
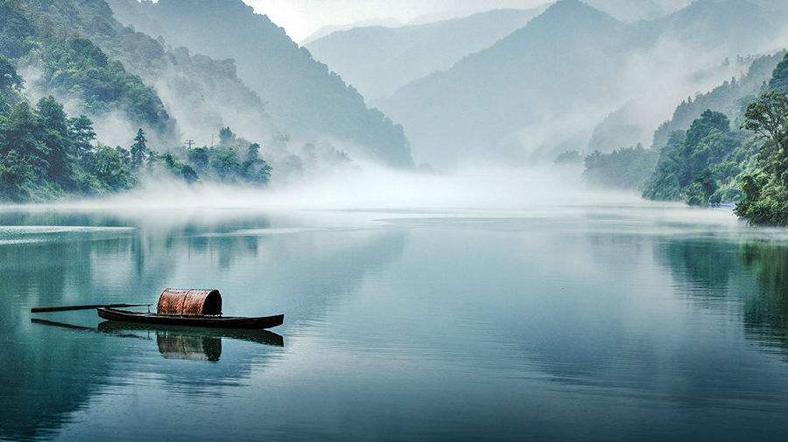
(374, 187)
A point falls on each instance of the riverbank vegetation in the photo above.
(728, 156)
(45, 154)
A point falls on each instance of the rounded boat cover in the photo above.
(190, 302)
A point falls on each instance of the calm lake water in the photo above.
(565, 323)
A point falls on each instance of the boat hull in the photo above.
(259, 323)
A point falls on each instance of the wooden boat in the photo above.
(112, 314)
(178, 307)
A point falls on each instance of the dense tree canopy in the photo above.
(623, 169)
(699, 166)
(78, 67)
(45, 154)
(766, 189)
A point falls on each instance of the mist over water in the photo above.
(379, 187)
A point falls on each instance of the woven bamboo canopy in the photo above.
(190, 302)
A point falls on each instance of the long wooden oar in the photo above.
(83, 307)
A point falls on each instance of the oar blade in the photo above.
(67, 308)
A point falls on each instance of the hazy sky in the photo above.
(302, 17)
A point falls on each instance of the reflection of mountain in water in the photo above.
(766, 313)
(754, 274)
(58, 371)
(701, 266)
(618, 332)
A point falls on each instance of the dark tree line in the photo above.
(46, 154)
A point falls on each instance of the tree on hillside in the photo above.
(82, 135)
(703, 126)
(139, 150)
(226, 136)
(694, 165)
(766, 190)
(254, 169)
(21, 132)
(626, 168)
(10, 85)
(779, 80)
(54, 122)
(9, 79)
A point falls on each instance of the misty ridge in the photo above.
(113, 96)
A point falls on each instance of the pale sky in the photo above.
(300, 18)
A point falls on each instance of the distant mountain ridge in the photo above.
(730, 98)
(478, 106)
(378, 60)
(738, 26)
(299, 92)
(330, 29)
(538, 90)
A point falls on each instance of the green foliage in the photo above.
(730, 98)
(180, 169)
(77, 66)
(107, 166)
(15, 173)
(766, 189)
(57, 141)
(234, 160)
(16, 30)
(625, 168)
(708, 122)
(254, 169)
(199, 157)
(226, 136)
(9, 79)
(779, 80)
(10, 85)
(701, 165)
(82, 135)
(44, 154)
(139, 150)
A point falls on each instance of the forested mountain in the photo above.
(541, 88)
(56, 60)
(703, 154)
(74, 80)
(378, 60)
(635, 121)
(200, 95)
(300, 93)
(714, 161)
(729, 98)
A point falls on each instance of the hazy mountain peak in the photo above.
(565, 21)
(731, 26)
(574, 9)
(300, 93)
(378, 60)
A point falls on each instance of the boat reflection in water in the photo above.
(189, 343)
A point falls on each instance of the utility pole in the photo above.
(189, 143)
